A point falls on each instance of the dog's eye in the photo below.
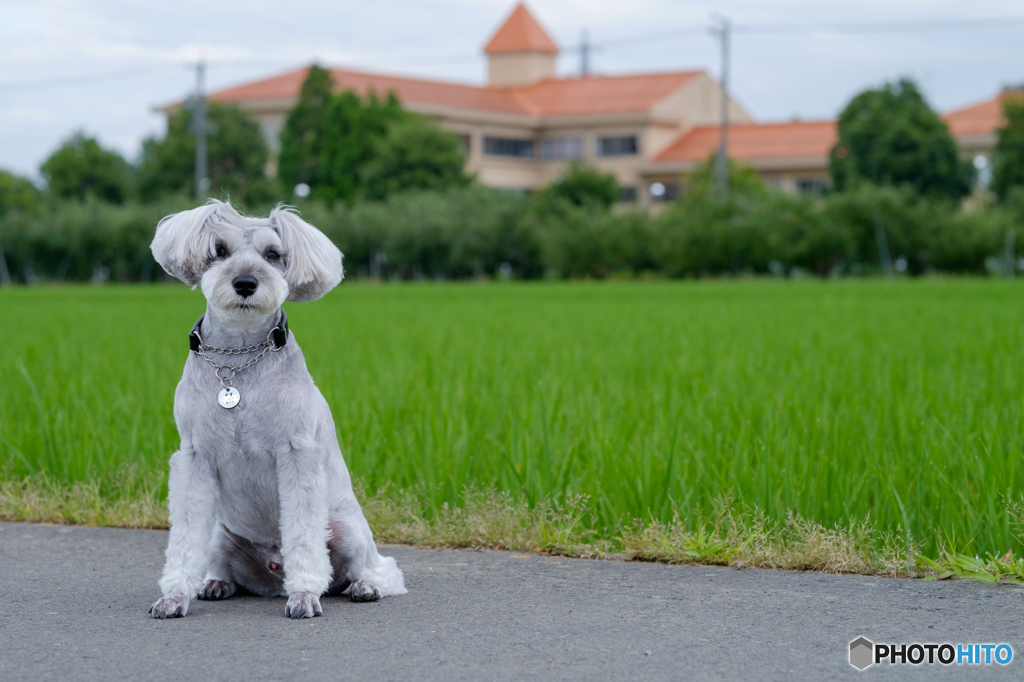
(273, 255)
(222, 252)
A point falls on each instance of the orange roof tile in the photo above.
(553, 97)
(288, 85)
(979, 119)
(750, 141)
(521, 33)
(276, 87)
(600, 94)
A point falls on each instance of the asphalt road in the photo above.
(73, 607)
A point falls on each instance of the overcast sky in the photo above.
(101, 66)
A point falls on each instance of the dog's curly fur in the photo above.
(259, 495)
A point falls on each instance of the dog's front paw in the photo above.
(364, 591)
(303, 605)
(171, 606)
(217, 589)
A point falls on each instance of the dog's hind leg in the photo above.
(380, 577)
(219, 583)
(359, 569)
(339, 561)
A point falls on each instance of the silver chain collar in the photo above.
(261, 348)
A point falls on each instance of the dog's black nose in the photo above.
(245, 285)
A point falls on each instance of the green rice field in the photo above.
(899, 402)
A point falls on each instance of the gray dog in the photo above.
(259, 495)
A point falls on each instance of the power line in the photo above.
(858, 27)
(121, 73)
(883, 26)
(651, 37)
(84, 78)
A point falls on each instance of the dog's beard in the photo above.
(271, 291)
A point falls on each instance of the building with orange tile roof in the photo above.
(794, 156)
(524, 127)
(791, 157)
(974, 127)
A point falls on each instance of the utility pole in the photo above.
(1009, 257)
(722, 159)
(584, 54)
(883, 248)
(5, 276)
(199, 126)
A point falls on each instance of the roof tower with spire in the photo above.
(520, 52)
(521, 32)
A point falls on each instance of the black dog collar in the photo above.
(279, 334)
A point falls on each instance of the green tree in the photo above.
(303, 131)
(17, 193)
(81, 167)
(414, 154)
(584, 185)
(353, 129)
(236, 157)
(890, 136)
(347, 147)
(1009, 151)
(744, 180)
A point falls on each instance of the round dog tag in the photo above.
(228, 398)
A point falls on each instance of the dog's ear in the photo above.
(185, 242)
(312, 261)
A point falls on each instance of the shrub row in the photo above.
(475, 232)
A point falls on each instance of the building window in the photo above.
(627, 195)
(562, 148)
(464, 144)
(617, 146)
(503, 146)
(810, 186)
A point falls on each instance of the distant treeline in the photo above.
(477, 232)
(389, 187)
